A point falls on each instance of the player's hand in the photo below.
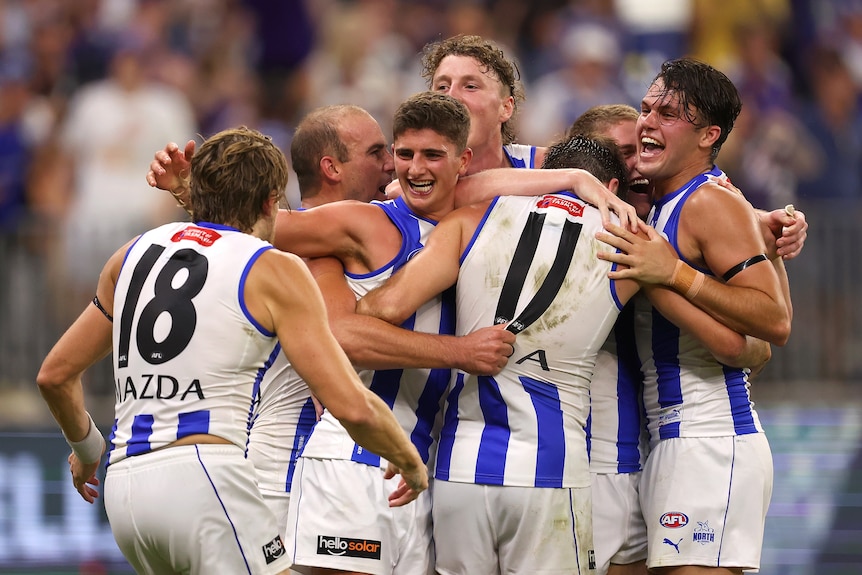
(84, 477)
(790, 229)
(410, 486)
(487, 350)
(171, 166)
(646, 256)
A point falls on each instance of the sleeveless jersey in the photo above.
(521, 155)
(616, 439)
(414, 395)
(282, 418)
(687, 393)
(187, 354)
(532, 264)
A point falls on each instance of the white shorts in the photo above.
(192, 509)
(340, 518)
(619, 530)
(279, 503)
(491, 529)
(705, 500)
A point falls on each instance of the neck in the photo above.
(661, 188)
(487, 158)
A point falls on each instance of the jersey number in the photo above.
(516, 277)
(174, 301)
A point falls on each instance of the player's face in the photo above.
(668, 143)
(369, 167)
(428, 166)
(485, 97)
(624, 133)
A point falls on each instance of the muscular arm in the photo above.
(376, 344)
(282, 296)
(434, 269)
(59, 379)
(488, 184)
(727, 346)
(719, 230)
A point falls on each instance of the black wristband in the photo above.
(742, 265)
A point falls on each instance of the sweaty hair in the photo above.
(233, 174)
(434, 111)
(706, 96)
(491, 61)
(599, 119)
(596, 154)
(317, 136)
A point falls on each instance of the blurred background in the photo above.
(90, 89)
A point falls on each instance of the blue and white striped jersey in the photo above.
(415, 395)
(531, 264)
(187, 354)
(616, 435)
(687, 393)
(521, 155)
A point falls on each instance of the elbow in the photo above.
(780, 332)
(355, 415)
(49, 378)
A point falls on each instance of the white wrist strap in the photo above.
(89, 449)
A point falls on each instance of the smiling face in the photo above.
(479, 89)
(671, 148)
(428, 166)
(369, 167)
(624, 133)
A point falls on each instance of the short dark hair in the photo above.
(490, 58)
(317, 136)
(233, 174)
(598, 155)
(599, 119)
(707, 97)
(434, 111)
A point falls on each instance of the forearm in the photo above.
(744, 309)
(372, 343)
(381, 434)
(722, 342)
(66, 403)
(517, 182)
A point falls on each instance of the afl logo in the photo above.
(674, 520)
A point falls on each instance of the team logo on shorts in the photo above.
(592, 559)
(346, 547)
(273, 550)
(703, 533)
(674, 520)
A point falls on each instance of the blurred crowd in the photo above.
(90, 89)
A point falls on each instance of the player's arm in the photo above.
(376, 344)
(727, 346)
(488, 184)
(337, 229)
(282, 295)
(722, 228)
(86, 341)
(431, 271)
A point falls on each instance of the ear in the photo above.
(507, 109)
(330, 169)
(710, 136)
(466, 156)
(614, 186)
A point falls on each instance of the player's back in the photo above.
(187, 354)
(532, 263)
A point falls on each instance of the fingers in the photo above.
(402, 495)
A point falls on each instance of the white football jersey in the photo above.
(187, 354)
(687, 393)
(531, 264)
